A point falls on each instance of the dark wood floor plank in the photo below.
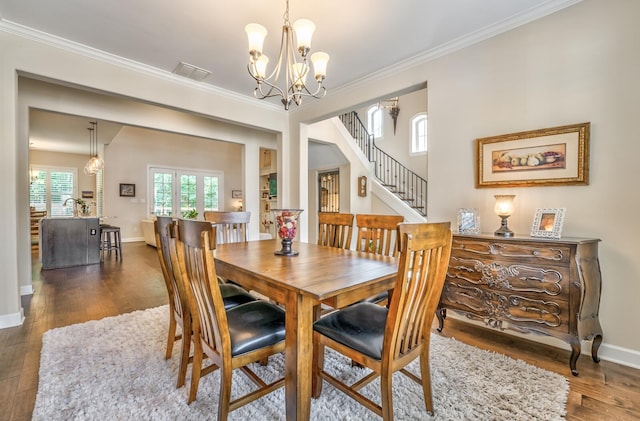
(604, 391)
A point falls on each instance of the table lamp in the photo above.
(504, 208)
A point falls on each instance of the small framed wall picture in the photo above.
(362, 186)
(236, 194)
(547, 222)
(127, 190)
(468, 221)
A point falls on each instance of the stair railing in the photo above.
(394, 176)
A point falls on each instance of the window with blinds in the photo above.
(50, 187)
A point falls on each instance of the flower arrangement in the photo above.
(287, 224)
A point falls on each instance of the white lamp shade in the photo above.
(320, 61)
(256, 34)
(304, 30)
(261, 66)
(300, 71)
(504, 204)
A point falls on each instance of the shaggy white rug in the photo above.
(114, 369)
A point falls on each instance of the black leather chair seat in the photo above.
(255, 325)
(377, 299)
(360, 326)
(233, 295)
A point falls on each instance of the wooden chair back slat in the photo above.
(377, 233)
(335, 229)
(423, 260)
(196, 241)
(231, 227)
(179, 314)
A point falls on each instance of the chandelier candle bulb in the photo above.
(304, 30)
(256, 34)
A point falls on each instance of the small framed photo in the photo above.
(547, 222)
(127, 190)
(468, 221)
(87, 194)
(236, 194)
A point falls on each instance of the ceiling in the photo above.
(361, 36)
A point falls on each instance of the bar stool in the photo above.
(110, 240)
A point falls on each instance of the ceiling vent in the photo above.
(190, 71)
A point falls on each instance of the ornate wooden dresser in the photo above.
(530, 285)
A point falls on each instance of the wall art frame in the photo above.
(556, 156)
(236, 194)
(547, 222)
(127, 190)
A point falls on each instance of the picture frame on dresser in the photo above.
(468, 221)
(547, 222)
(555, 156)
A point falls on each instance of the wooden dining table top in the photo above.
(318, 274)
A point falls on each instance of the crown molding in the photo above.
(112, 59)
(513, 22)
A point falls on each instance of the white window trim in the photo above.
(370, 111)
(412, 142)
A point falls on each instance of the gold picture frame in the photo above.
(546, 157)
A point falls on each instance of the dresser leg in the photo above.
(575, 353)
(441, 314)
(594, 348)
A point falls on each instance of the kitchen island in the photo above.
(66, 242)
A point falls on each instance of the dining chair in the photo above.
(230, 339)
(335, 229)
(179, 314)
(36, 216)
(384, 339)
(378, 234)
(231, 227)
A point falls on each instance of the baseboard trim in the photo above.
(612, 353)
(132, 239)
(619, 355)
(11, 320)
(26, 290)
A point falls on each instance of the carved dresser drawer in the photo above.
(531, 285)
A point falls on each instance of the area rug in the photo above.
(114, 369)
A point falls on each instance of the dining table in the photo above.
(316, 275)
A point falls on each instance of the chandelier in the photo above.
(295, 70)
(95, 163)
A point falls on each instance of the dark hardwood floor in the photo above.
(604, 391)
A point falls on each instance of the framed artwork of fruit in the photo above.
(545, 157)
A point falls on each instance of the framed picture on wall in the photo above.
(236, 194)
(127, 190)
(557, 156)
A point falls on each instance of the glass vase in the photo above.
(286, 228)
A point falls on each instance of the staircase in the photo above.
(395, 177)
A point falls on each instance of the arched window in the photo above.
(374, 121)
(419, 133)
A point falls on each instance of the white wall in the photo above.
(579, 64)
(134, 149)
